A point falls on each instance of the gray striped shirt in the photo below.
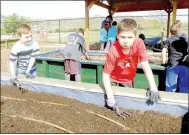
(23, 53)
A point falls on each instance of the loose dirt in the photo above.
(33, 112)
(151, 59)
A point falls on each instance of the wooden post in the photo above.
(169, 9)
(174, 11)
(168, 23)
(87, 24)
(174, 2)
(7, 44)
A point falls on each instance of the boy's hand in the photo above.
(164, 65)
(13, 80)
(28, 75)
(112, 106)
(153, 96)
(118, 111)
(186, 58)
(88, 58)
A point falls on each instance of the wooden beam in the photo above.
(91, 4)
(122, 4)
(183, 4)
(114, 10)
(139, 5)
(87, 24)
(110, 11)
(142, 6)
(109, 2)
(98, 3)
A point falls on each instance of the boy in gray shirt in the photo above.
(75, 47)
(23, 53)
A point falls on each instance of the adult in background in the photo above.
(104, 36)
(177, 70)
(107, 20)
(112, 34)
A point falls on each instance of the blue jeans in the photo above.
(102, 44)
(177, 75)
(122, 85)
(108, 45)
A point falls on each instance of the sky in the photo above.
(48, 10)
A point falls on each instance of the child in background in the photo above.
(73, 50)
(142, 36)
(23, 52)
(104, 36)
(112, 34)
(121, 64)
(177, 70)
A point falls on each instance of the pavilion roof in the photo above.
(138, 5)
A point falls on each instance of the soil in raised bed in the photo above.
(72, 115)
(152, 59)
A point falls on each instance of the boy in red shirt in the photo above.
(121, 64)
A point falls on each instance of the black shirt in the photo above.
(177, 49)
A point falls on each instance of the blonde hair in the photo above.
(176, 27)
(80, 30)
(23, 29)
(127, 25)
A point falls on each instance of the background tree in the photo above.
(161, 16)
(12, 22)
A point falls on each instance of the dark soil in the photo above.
(153, 59)
(92, 57)
(94, 46)
(72, 115)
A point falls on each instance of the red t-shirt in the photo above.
(122, 67)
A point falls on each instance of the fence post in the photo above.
(162, 36)
(59, 33)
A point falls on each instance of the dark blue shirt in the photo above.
(177, 49)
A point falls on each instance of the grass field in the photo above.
(150, 27)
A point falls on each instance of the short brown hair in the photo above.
(80, 30)
(23, 29)
(127, 25)
(176, 27)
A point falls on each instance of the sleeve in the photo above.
(110, 62)
(36, 50)
(166, 44)
(13, 54)
(142, 52)
(83, 46)
(102, 24)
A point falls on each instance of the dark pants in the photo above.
(131, 85)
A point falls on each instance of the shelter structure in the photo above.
(114, 6)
